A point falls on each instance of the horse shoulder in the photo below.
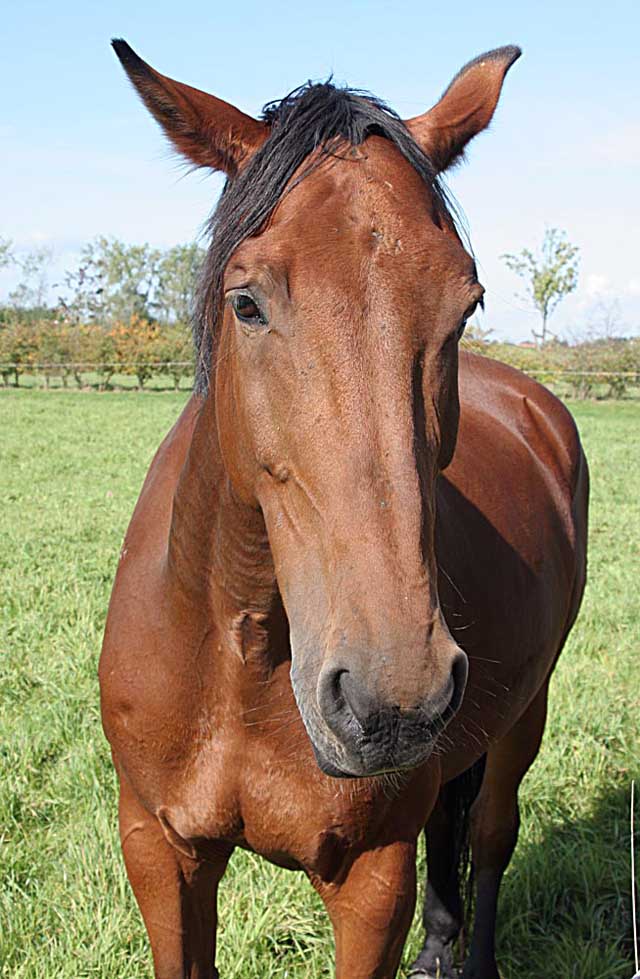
(139, 677)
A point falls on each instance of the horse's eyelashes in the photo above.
(467, 316)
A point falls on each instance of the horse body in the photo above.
(308, 560)
(215, 746)
(496, 556)
(211, 734)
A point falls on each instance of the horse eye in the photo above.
(246, 309)
(465, 319)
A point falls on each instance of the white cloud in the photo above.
(620, 146)
(597, 285)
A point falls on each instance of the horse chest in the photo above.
(247, 792)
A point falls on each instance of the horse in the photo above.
(357, 554)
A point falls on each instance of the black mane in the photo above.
(314, 117)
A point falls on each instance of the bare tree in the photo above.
(6, 253)
(31, 292)
(550, 275)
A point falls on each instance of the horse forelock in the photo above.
(315, 120)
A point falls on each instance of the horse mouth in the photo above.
(367, 762)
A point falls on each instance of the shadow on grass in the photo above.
(565, 908)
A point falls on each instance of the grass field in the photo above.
(70, 468)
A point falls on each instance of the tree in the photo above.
(549, 276)
(605, 321)
(476, 337)
(31, 292)
(178, 272)
(6, 253)
(113, 282)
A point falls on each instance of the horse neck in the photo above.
(219, 555)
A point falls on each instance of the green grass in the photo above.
(70, 468)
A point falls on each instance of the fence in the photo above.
(84, 372)
(103, 375)
(140, 353)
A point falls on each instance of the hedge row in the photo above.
(55, 349)
(144, 350)
(607, 368)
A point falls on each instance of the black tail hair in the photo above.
(458, 796)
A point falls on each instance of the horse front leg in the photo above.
(495, 821)
(176, 893)
(371, 910)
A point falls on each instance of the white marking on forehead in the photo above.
(386, 242)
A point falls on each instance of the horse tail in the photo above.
(458, 797)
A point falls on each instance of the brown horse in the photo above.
(308, 558)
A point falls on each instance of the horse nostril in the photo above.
(342, 700)
(459, 673)
(329, 694)
(356, 697)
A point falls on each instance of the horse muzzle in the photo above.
(362, 734)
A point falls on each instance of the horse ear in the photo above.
(465, 109)
(206, 130)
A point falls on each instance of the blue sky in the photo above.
(81, 157)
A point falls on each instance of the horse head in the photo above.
(334, 296)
